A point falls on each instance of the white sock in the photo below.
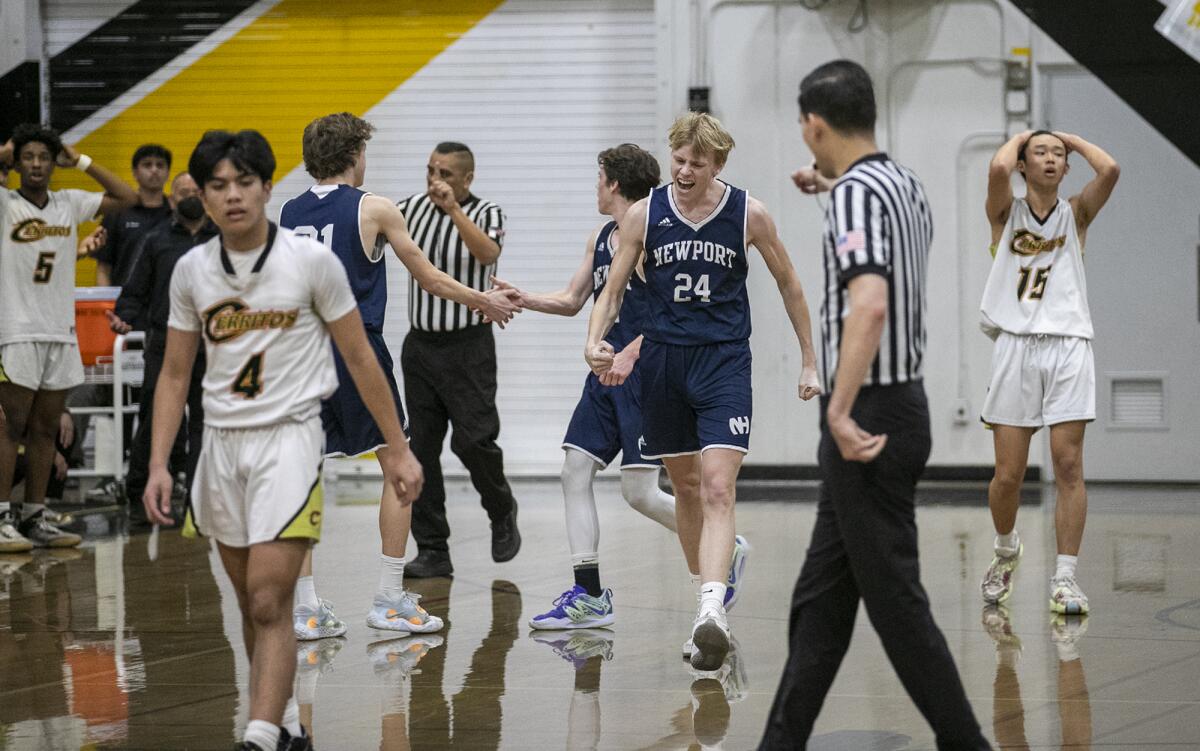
(391, 576)
(306, 592)
(291, 718)
(5, 507)
(1065, 566)
(713, 593)
(1010, 541)
(263, 734)
(695, 580)
(31, 510)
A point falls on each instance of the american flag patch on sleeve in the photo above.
(848, 242)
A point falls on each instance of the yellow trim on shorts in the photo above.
(190, 530)
(306, 524)
(3, 375)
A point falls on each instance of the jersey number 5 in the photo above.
(44, 268)
(249, 381)
(685, 289)
(1032, 283)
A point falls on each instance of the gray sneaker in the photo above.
(11, 540)
(43, 534)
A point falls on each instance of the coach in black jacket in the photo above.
(148, 293)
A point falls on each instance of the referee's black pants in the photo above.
(864, 545)
(450, 379)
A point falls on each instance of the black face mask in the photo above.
(190, 208)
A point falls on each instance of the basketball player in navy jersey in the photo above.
(692, 236)
(356, 225)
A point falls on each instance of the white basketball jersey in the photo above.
(269, 355)
(37, 264)
(1037, 284)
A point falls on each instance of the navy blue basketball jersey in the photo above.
(696, 272)
(633, 308)
(329, 215)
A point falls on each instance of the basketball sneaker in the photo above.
(402, 614)
(689, 647)
(316, 623)
(575, 608)
(317, 655)
(710, 712)
(399, 657)
(11, 539)
(731, 674)
(710, 637)
(737, 569)
(303, 742)
(43, 534)
(997, 582)
(1065, 632)
(579, 646)
(1066, 597)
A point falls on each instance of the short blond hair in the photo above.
(703, 132)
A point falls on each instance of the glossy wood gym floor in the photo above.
(131, 642)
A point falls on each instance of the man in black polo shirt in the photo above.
(146, 296)
(125, 232)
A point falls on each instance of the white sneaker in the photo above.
(399, 657)
(689, 647)
(316, 623)
(12, 541)
(737, 570)
(402, 614)
(1066, 597)
(1065, 632)
(997, 581)
(710, 637)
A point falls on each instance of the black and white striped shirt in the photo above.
(878, 221)
(434, 232)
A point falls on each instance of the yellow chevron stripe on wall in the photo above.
(298, 61)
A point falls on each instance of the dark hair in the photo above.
(27, 133)
(634, 169)
(332, 143)
(842, 94)
(454, 147)
(247, 149)
(151, 150)
(1034, 134)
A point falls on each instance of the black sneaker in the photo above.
(506, 538)
(247, 746)
(428, 564)
(38, 530)
(287, 743)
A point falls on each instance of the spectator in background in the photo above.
(116, 245)
(146, 296)
(124, 233)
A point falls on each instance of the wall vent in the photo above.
(1138, 401)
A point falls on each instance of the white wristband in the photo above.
(84, 162)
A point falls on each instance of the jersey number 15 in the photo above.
(1032, 282)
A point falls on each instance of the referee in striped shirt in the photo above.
(449, 360)
(875, 436)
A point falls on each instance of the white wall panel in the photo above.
(536, 90)
(68, 21)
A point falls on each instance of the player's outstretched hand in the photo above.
(500, 305)
(93, 242)
(810, 181)
(403, 471)
(854, 443)
(622, 366)
(116, 324)
(157, 498)
(600, 358)
(810, 386)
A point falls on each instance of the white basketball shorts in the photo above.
(45, 366)
(1039, 380)
(257, 485)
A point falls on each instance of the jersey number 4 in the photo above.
(1032, 282)
(687, 288)
(249, 381)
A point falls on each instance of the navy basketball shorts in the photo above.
(349, 428)
(608, 421)
(695, 397)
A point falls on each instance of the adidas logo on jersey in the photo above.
(666, 222)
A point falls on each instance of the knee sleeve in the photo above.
(579, 502)
(639, 487)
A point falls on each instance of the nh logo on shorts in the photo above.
(739, 425)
